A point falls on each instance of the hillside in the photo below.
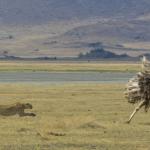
(34, 28)
(41, 11)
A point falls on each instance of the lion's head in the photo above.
(27, 106)
(24, 105)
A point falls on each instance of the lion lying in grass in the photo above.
(17, 108)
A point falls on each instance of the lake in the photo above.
(61, 77)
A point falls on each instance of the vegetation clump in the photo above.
(101, 53)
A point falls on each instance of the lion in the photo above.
(17, 108)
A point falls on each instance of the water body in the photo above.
(65, 77)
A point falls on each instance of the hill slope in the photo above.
(40, 11)
(34, 28)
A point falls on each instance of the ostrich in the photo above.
(138, 89)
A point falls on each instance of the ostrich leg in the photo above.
(141, 104)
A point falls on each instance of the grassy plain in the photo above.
(72, 117)
(68, 66)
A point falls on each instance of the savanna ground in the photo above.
(72, 116)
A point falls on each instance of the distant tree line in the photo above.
(100, 53)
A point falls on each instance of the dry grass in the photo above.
(72, 117)
(68, 66)
(138, 45)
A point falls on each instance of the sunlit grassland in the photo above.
(72, 117)
(68, 66)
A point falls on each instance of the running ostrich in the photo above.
(138, 89)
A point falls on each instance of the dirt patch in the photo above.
(93, 125)
(23, 130)
(56, 134)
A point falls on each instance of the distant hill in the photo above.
(41, 11)
(66, 28)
